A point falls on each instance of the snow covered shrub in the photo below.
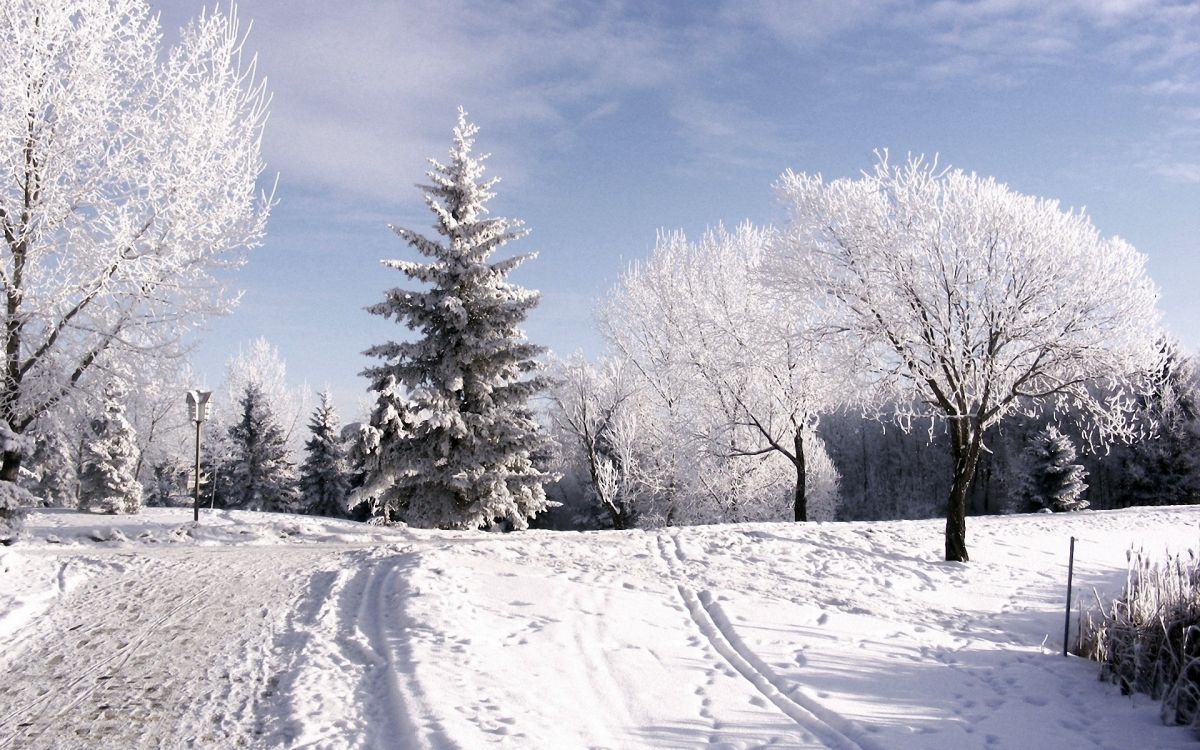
(13, 498)
(108, 480)
(1148, 640)
(164, 488)
(1052, 481)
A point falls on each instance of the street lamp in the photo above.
(197, 402)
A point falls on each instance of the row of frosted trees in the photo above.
(747, 369)
(930, 300)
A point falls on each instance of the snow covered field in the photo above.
(259, 630)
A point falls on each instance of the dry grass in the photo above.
(1148, 640)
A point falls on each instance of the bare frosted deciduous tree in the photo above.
(260, 364)
(599, 412)
(968, 302)
(697, 320)
(128, 177)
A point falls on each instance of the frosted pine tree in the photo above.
(380, 453)
(470, 459)
(324, 477)
(259, 475)
(54, 463)
(1053, 481)
(108, 480)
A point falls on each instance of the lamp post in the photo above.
(197, 402)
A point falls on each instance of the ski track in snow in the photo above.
(827, 727)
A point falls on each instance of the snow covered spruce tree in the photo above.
(108, 480)
(129, 176)
(965, 302)
(324, 476)
(258, 473)
(470, 458)
(55, 467)
(1052, 480)
(377, 452)
(1164, 468)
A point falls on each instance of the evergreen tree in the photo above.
(379, 455)
(56, 482)
(1053, 481)
(324, 477)
(163, 490)
(258, 473)
(108, 480)
(469, 460)
(1164, 468)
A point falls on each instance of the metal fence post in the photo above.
(1070, 575)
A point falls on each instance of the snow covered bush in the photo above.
(108, 478)
(1148, 640)
(54, 468)
(1052, 480)
(469, 455)
(164, 488)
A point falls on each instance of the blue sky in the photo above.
(610, 120)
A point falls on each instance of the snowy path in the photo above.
(268, 632)
(172, 645)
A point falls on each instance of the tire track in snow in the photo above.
(832, 729)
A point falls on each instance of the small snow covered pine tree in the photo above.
(57, 474)
(164, 489)
(471, 457)
(380, 453)
(258, 473)
(108, 480)
(1053, 481)
(324, 477)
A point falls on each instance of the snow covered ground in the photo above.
(258, 630)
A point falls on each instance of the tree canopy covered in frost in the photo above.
(471, 455)
(128, 177)
(707, 335)
(967, 302)
(261, 364)
(108, 478)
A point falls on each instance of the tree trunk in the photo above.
(965, 444)
(11, 467)
(801, 503)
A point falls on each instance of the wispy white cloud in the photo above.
(1188, 172)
